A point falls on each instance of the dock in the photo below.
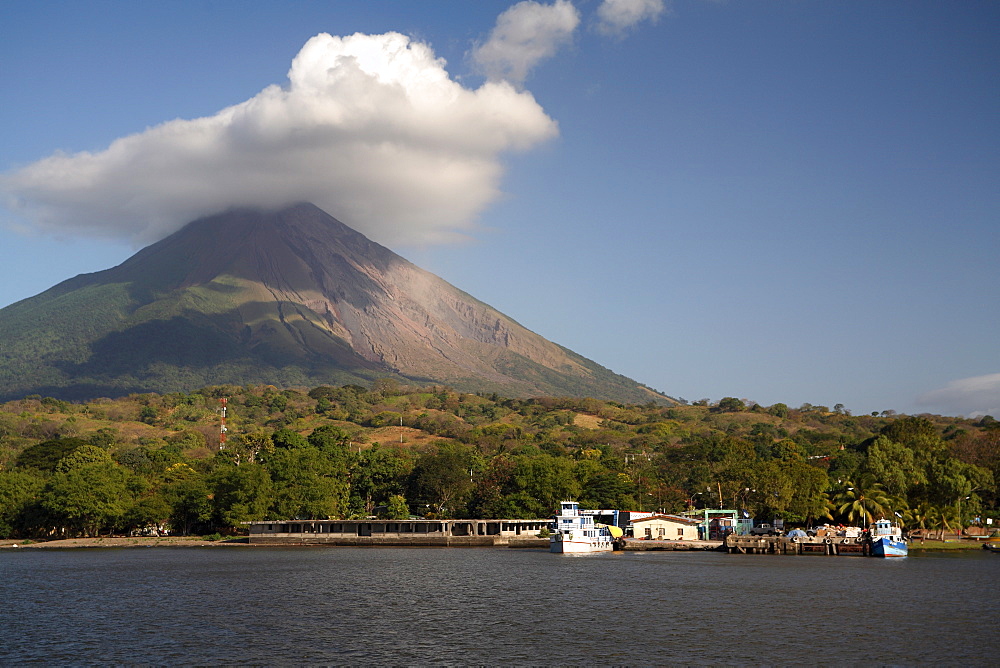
(822, 546)
(642, 545)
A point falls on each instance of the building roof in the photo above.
(667, 518)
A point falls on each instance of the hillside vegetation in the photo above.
(72, 469)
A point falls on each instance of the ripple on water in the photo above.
(490, 606)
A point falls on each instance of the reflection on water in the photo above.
(492, 606)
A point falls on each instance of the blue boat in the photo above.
(886, 540)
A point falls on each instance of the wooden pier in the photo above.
(824, 546)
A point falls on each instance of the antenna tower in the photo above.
(222, 423)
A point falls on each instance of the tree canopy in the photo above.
(393, 451)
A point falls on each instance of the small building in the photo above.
(444, 533)
(664, 527)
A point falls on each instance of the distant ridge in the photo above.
(290, 298)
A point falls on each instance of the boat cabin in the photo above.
(571, 517)
(884, 528)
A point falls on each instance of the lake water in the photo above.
(241, 605)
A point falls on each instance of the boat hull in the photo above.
(888, 547)
(568, 545)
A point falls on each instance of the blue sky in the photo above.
(780, 201)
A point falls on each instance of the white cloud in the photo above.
(975, 396)
(370, 128)
(618, 16)
(525, 34)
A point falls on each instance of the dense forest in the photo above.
(123, 465)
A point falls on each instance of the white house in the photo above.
(664, 527)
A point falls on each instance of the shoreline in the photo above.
(119, 541)
(243, 541)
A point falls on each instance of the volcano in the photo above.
(289, 298)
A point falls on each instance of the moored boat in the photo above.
(993, 542)
(886, 540)
(576, 532)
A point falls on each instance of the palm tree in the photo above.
(919, 517)
(936, 520)
(942, 518)
(898, 509)
(862, 501)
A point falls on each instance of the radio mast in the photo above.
(222, 424)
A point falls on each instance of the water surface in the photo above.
(492, 606)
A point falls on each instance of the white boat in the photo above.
(576, 532)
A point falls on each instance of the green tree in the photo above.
(731, 405)
(608, 489)
(787, 450)
(187, 440)
(306, 484)
(278, 403)
(540, 482)
(241, 493)
(385, 419)
(189, 503)
(894, 465)
(151, 510)
(443, 479)
(148, 415)
(919, 435)
(18, 491)
(286, 438)
(82, 456)
(397, 508)
(334, 442)
(808, 502)
(378, 474)
(146, 462)
(46, 456)
(246, 448)
(950, 482)
(493, 490)
(766, 485)
(88, 498)
(105, 437)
